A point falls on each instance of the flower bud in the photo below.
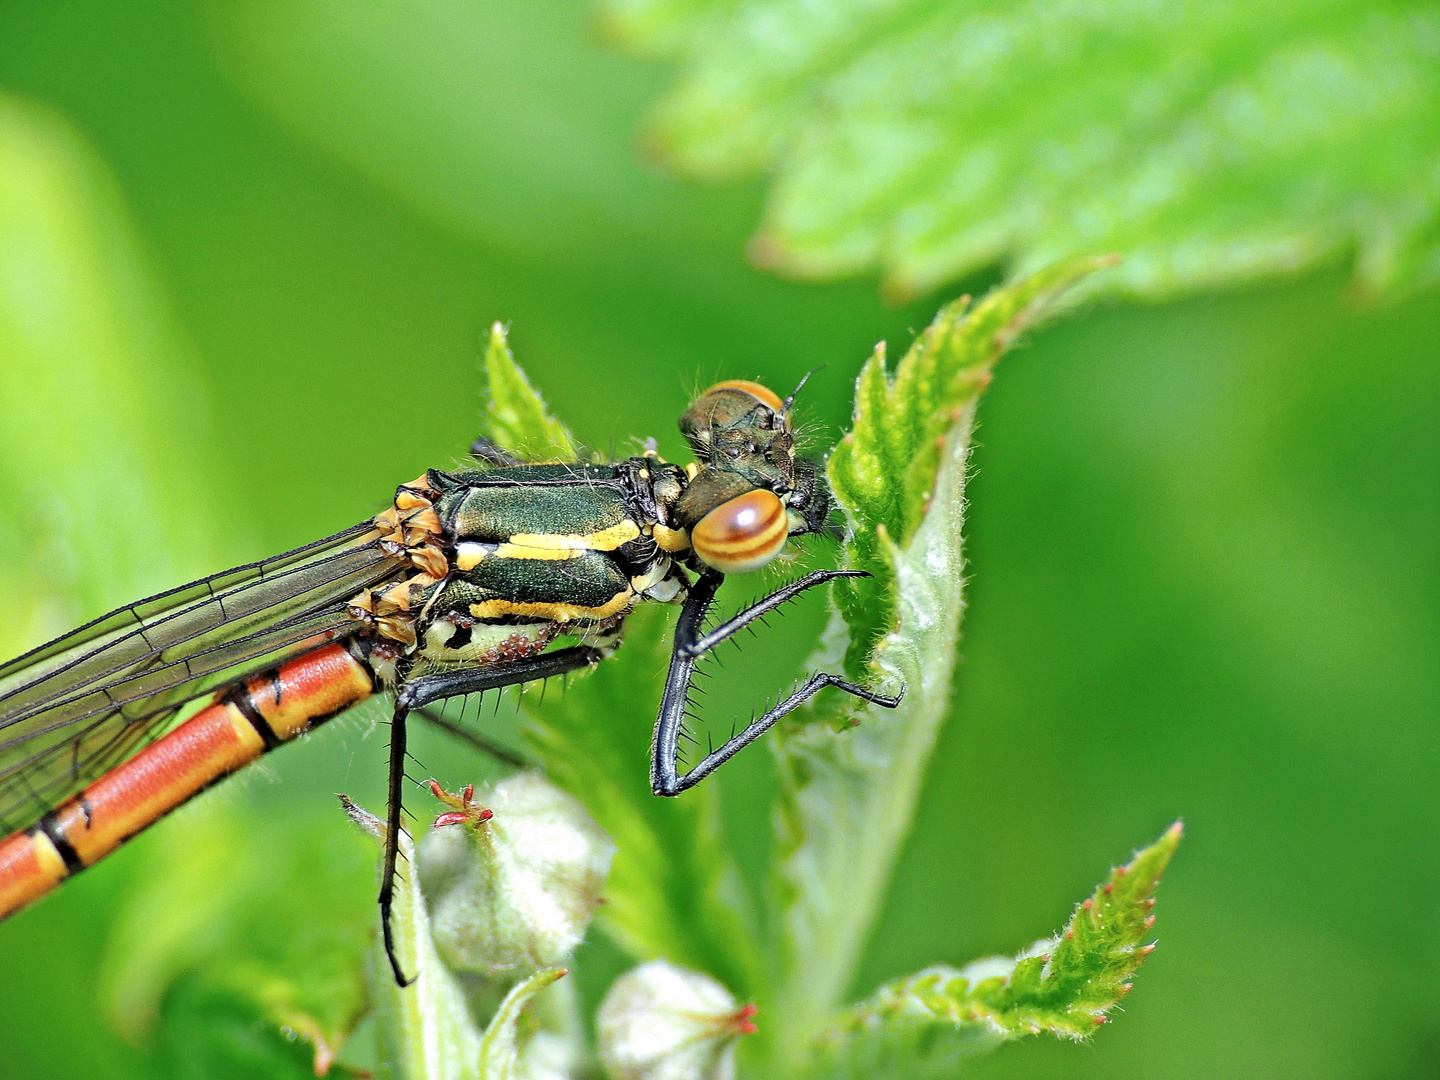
(511, 887)
(662, 1022)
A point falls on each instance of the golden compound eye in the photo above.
(743, 534)
(763, 394)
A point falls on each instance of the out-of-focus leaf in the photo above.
(501, 1046)
(208, 1030)
(226, 908)
(101, 495)
(473, 113)
(883, 470)
(924, 1025)
(515, 415)
(1210, 143)
(672, 889)
(848, 796)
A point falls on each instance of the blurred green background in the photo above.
(247, 253)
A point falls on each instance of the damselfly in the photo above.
(475, 578)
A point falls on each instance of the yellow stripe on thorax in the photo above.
(494, 609)
(621, 532)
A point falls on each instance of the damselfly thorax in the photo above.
(473, 579)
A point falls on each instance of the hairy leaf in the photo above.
(924, 1025)
(883, 471)
(1208, 142)
(848, 796)
(500, 1048)
(672, 885)
(515, 418)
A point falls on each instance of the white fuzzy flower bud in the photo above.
(662, 1022)
(511, 887)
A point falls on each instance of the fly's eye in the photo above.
(743, 534)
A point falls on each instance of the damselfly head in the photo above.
(750, 492)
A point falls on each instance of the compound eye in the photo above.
(743, 534)
(762, 394)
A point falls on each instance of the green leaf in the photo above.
(1208, 142)
(850, 781)
(673, 890)
(501, 1046)
(515, 416)
(223, 912)
(883, 471)
(924, 1025)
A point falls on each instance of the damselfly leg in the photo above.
(691, 644)
(445, 684)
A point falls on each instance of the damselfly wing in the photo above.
(76, 707)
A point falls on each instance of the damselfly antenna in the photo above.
(785, 405)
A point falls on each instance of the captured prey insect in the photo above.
(466, 583)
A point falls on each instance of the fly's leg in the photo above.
(691, 644)
(443, 684)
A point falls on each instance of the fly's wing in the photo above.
(74, 708)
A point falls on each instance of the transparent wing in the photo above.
(74, 708)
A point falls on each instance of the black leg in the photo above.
(500, 753)
(690, 644)
(473, 680)
(392, 838)
(443, 684)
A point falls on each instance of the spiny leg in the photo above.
(423, 690)
(393, 805)
(500, 753)
(690, 644)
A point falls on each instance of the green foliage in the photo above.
(925, 1024)
(883, 470)
(1209, 143)
(515, 416)
(238, 935)
(1204, 528)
